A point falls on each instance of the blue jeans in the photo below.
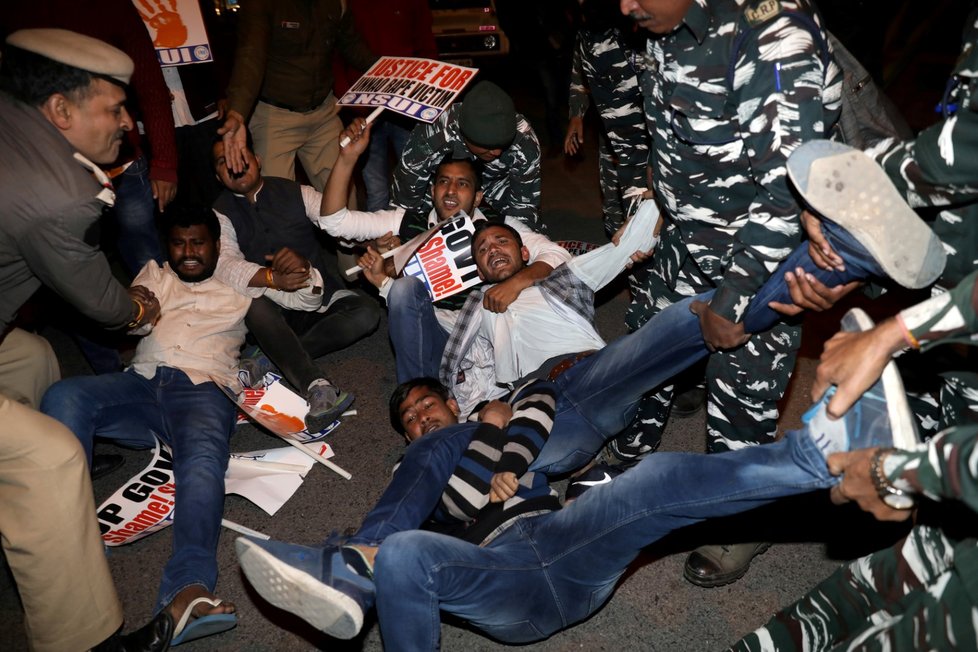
(135, 214)
(196, 421)
(417, 337)
(547, 572)
(376, 169)
(599, 396)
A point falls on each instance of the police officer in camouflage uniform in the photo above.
(920, 593)
(485, 126)
(938, 173)
(718, 152)
(605, 70)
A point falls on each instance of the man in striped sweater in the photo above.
(497, 527)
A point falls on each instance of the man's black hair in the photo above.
(185, 216)
(401, 392)
(473, 163)
(482, 225)
(33, 78)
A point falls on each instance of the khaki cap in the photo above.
(76, 50)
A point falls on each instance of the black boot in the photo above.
(154, 636)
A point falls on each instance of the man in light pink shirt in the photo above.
(171, 391)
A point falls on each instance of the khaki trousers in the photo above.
(28, 367)
(281, 135)
(50, 535)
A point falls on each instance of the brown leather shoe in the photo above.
(711, 566)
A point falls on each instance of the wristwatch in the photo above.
(892, 496)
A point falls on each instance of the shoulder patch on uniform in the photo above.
(762, 11)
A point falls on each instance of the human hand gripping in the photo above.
(150, 304)
(290, 271)
(372, 264)
(503, 486)
(819, 248)
(808, 293)
(853, 361)
(358, 135)
(719, 333)
(857, 485)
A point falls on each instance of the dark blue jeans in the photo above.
(545, 573)
(135, 213)
(597, 397)
(196, 421)
(417, 337)
(385, 134)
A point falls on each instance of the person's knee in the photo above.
(28, 367)
(364, 315)
(62, 400)
(39, 438)
(400, 561)
(404, 291)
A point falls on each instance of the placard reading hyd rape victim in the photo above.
(418, 88)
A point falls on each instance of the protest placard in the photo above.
(146, 503)
(177, 30)
(444, 263)
(143, 505)
(282, 412)
(418, 88)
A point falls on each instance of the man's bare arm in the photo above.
(338, 185)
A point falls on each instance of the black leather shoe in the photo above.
(688, 403)
(711, 566)
(103, 465)
(154, 636)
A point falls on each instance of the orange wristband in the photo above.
(907, 335)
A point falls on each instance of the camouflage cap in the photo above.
(77, 50)
(488, 116)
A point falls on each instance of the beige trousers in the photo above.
(50, 535)
(28, 367)
(281, 135)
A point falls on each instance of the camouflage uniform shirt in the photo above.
(719, 153)
(510, 184)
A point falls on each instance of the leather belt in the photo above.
(294, 109)
(567, 363)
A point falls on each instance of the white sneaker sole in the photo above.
(297, 592)
(851, 190)
(902, 421)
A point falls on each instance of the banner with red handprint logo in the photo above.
(177, 30)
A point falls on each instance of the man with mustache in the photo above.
(171, 391)
(484, 126)
(61, 112)
(418, 327)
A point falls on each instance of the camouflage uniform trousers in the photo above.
(615, 179)
(911, 596)
(743, 385)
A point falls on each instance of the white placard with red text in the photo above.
(444, 263)
(418, 88)
(146, 503)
